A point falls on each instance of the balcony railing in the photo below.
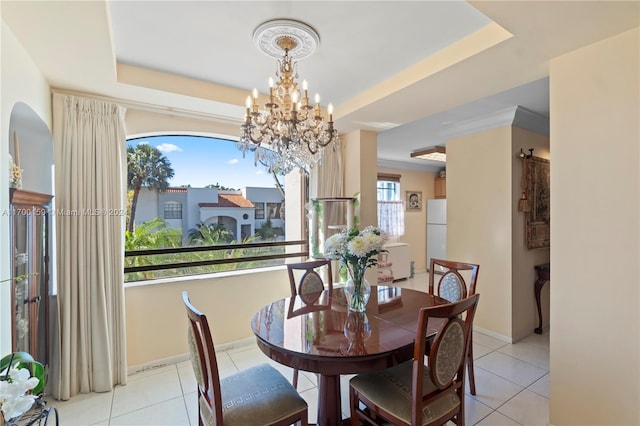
(195, 260)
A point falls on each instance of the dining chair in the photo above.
(306, 282)
(305, 278)
(453, 287)
(256, 396)
(412, 393)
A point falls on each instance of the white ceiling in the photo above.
(408, 70)
(212, 41)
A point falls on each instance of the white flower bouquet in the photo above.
(21, 380)
(357, 251)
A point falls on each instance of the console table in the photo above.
(543, 274)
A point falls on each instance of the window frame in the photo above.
(259, 212)
(141, 263)
(172, 210)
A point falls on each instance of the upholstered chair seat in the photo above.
(258, 396)
(391, 388)
(417, 393)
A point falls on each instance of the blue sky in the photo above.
(201, 161)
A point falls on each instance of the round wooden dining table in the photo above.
(319, 334)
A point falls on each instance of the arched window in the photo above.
(195, 183)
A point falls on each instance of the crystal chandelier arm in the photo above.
(290, 128)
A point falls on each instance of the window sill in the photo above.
(216, 275)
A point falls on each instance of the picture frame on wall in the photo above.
(413, 201)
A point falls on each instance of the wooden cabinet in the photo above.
(29, 226)
(440, 189)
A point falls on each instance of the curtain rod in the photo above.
(147, 107)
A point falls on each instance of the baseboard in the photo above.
(157, 363)
(493, 334)
(235, 344)
(185, 356)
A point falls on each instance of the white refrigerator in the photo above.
(436, 230)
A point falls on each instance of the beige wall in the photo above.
(479, 219)
(415, 223)
(360, 176)
(141, 122)
(21, 81)
(524, 316)
(360, 153)
(485, 227)
(595, 187)
(156, 318)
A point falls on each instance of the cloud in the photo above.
(233, 161)
(260, 172)
(168, 147)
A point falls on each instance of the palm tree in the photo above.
(266, 232)
(209, 235)
(150, 235)
(146, 166)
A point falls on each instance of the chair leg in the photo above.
(472, 377)
(304, 421)
(353, 402)
(294, 382)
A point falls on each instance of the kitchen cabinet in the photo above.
(440, 187)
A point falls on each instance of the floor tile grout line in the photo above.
(145, 407)
(113, 397)
(314, 386)
(514, 357)
(182, 388)
(511, 381)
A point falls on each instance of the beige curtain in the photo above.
(90, 194)
(327, 178)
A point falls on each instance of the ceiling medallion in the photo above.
(289, 132)
(302, 40)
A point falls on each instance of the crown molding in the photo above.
(512, 116)
(529, 120)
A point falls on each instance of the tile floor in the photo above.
(512, 383)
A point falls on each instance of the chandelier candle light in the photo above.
(290, 132)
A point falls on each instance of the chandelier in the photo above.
(289, 132)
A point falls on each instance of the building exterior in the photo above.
(241, 212)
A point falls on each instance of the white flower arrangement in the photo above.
(356, 250)
(14, 392)
(18, 388)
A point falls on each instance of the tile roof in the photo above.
(176, 190)
(229, 200)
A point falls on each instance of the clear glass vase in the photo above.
(357, 331)
(357, 293)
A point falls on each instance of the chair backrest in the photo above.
(310, 282)
(451, 284)
(205, 365)
(447, 354)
